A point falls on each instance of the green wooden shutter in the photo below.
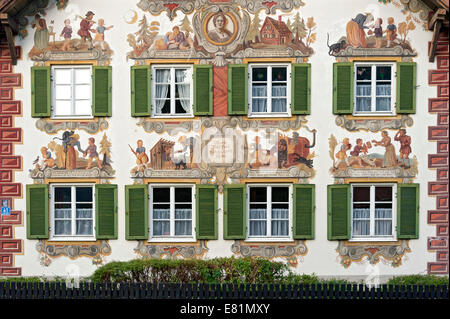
(406, 87)
(234, 212)
(106, 211)
(206, 223)
(304, 206)
(140, 90)
(237, 89)
(407, 211)
(203, 89)
(40, 91)
(37, 211)
(136, 212)
(101, 90)
(301, 88)
(343, 88)
(338, 211)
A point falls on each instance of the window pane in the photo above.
(257, 213)
(279, 89)
(361, 194)
(162, 75)
(182, 106)
(63, 194)
(363, 89)
(83, 92)
(161, 213)
(82, 76)
(63, 108)
(83, 194)
(259, 74)
(279, 74)
(181, 75)
(183, 213)
(383, 89)
(383, 104)
(279, 105)
(383, 228)
(383, 212)
(161, 195)
(63, 92)
(361, 212)
(63, 76)
(84, 212)
(83, 107)
(383, 193)
(280, 194)
(259, 105)
(63, 212)
(161, 228)
(361, 228)
(258, 194)
(280, 228)
(63, 227)
(183, 228)
(280, 213)
(183, 195)
(84, 227)
(259, 90)
(258, 228)
(363, 104)
(363, 73)
(383, 73)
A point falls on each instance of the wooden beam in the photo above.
(437, 29)
(10, 28)
(439, 15)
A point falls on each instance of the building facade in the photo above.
(202, 129)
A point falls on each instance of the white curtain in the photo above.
(183, 222)
(161, 222)
(258, 222)
(361, 222)
(161, 90)
(259, 104)
(84, 226)
(62, 225)
(183, 89)
(363, 100)
(280, 222)
(279, 104)
(383, 227)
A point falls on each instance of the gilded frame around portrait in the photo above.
(206, 23)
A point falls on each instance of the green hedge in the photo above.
(419, 280)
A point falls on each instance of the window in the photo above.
(374, 89)
(71, 91)
(172, 91)
(269, 89)
(171, 212)
(72, 212)
(373, 211)
(269, 212)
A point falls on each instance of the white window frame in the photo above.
(171, 238)
(268, 238)
(54, 237)
(172, 68)
(53, 91)
(371, 238)
(393, 66)
(269, 90)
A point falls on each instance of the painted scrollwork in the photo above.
(102, 57)
(417, 6)
(355, 252)
(52, 127)
(172, 250)
(103, 174)
(397, 50)
(288, 251)
(51, 250)
(373, 125)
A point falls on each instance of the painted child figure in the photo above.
(100, 34)
(67, 34)
(378, 31)
(405, 146)
(47, 160)
(92, 151)
(391, 32)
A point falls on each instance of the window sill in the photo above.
(267, 240)
(374, 114)
(172, 116)
(172, 240)
(269, 115)
(71, 118)
(74, 239)
(374, 239)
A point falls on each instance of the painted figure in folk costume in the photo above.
(86, 29)
(67, 34)
(100, 33)
(390, 159)
(41, 36)
(405, 146)
(92, 151)
(356, 36)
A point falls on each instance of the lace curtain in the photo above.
(279, 223)
(63, 222)
(383, 222)
(182, 89)
(183, 222)
(161, 90)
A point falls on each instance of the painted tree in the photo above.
(311, 25)
(298, 28)
(289, 25)
(105, 149)
(255, 27)
(405, 27)
(146, 32)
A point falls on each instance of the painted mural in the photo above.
(230, 28)
(384, 156)
(69, 155)
(78, 34)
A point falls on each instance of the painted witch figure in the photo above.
(356, 36)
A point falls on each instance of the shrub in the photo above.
(419, 280)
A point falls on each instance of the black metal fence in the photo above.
(85, 290)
